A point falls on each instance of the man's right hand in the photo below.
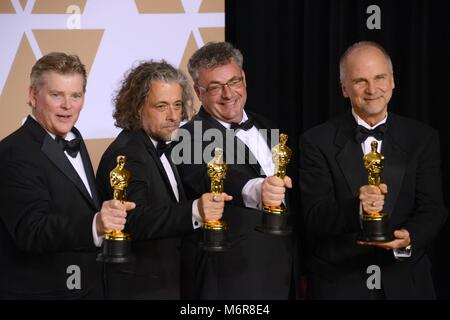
(273, 190)
(372, 197)
(112, 216)
(210, 206)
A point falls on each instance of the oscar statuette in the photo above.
(214, 231)
(375, 225)
(274, 218)
(117, 244)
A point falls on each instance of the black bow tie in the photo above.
(72, 147)
(163, 147)
(247, 125)
(362, 133)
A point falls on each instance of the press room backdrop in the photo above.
(109, 36)
(291, 50)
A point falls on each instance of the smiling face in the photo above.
(368, 82)
(161, 114)
(228, 104)
(57, 103)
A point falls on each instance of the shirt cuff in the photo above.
(197, 220)
(251, 193)
(98, 240)
(402, 253)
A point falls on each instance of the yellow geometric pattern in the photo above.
(23, 3)
(56, 6)
(96, 147)
(14, 98)
(83, 42)
(160, 6)
(6, 7)
(48, 34)
(212, 6)
(212, 34)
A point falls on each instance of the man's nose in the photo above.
(171, 113)
(371, 88)
(65, 103)
(226, 91)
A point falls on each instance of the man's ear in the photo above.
(344, 89)
(32, 96)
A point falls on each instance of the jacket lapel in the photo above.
(350, 156)
(152, 151)
(181, 194)
(89, 171)
(394, 165)
(244, 152)
(54, 153)
(51, 149)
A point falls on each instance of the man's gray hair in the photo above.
(211, 55)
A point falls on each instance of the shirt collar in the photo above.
(227, 124)
(153, 141)
(361, 122)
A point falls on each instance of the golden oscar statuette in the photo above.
(274, 218)
(214, 231)
(375, 225)
(117, 244)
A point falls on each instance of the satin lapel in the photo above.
(267, 136)
(395, 160)
(181, 194)
(89, 173)
(59, 159)
(152, 151)
(350, 157)
(244, 152)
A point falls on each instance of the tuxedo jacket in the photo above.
(257, 265)
(156, 225)
(46, 216)
(331, 173)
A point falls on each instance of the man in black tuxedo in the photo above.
(257, 265)
(48, 198)
(335, 191)
(149, 106)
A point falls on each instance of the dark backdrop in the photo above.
(291, 52)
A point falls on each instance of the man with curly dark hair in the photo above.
(148, 107)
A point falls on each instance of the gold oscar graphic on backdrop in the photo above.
(117, 244)
(214, 231)
(274, 218)
(375, 225)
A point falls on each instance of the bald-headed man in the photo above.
(335, 191)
